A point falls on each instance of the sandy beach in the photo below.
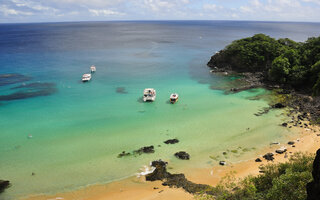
(135, 188)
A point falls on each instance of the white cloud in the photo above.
(104, 12)
(158, 5)
(212, 7)
(6, 11)
(33, 5)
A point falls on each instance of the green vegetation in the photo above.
(283, 61)
(284, 181)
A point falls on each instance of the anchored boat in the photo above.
(174, 98)
(86, 77)
(93, 69)
(149, 94)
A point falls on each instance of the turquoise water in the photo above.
(78, 131)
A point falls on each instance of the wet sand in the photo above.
(135, 188)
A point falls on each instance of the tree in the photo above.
(280, 69)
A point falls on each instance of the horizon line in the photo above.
(160, 20)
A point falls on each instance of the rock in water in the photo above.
(124, 154)
(4, 185)
(182, 155)
(258, 160)
(159, 173)
(313, 188)
(148, 149)
(171, 141)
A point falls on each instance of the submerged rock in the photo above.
(313, 188)
(182, 155)
(171, 141)
(175, 180)
(284, 124)
(122, 154)
(29, 91)
(7, 79)
(121, 90)
(4, 185)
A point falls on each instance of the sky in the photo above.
(17, 11)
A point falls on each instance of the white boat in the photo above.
(149, 94)
(86, 77)
(93, 69)
(174, 98)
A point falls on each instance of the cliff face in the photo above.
(313, 188)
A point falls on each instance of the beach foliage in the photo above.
(283, 181)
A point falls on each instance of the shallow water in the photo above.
(79, 129)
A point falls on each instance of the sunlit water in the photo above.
(78, 131)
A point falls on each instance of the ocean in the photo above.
(59, 134)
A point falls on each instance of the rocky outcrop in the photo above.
(171, 141)
(313, 188)
(4, 185)
(182, 155)
(175, 180)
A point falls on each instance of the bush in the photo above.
(284, 181)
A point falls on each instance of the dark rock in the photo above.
(124, 154)
(182, 155)
(171, 141)
(224, 153)
(269, 156)
(176, 180)
(291, 142)
(160, 171)
(284, 124)
(278, 105)
(148, 149)
(222, 163)
(313, 188)
(281, 150)
(4, 185)
(258, 160)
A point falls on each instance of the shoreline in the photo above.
(135, 188)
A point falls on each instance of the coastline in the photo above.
(137, 188)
